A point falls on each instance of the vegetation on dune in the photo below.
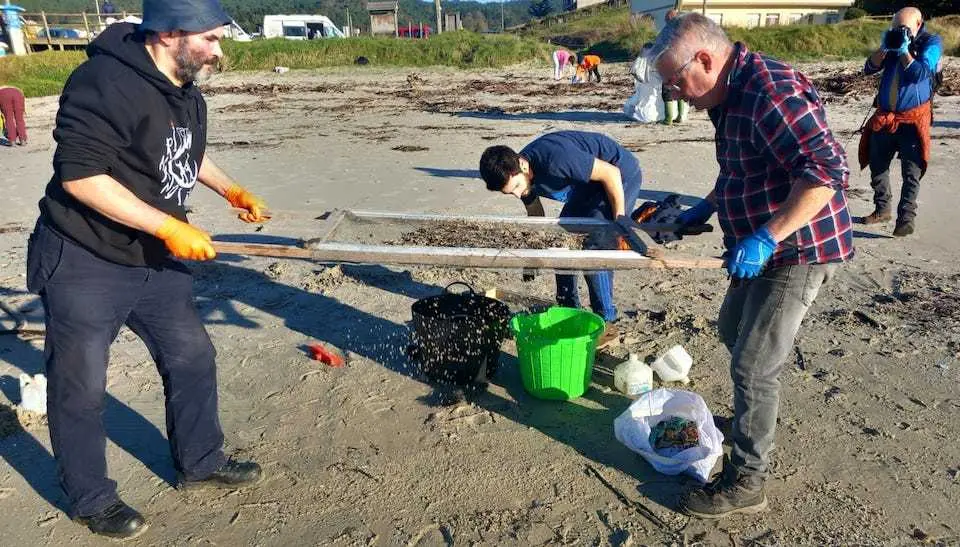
(39, 74)
(609, 33)
(461, 49)
(45, 73)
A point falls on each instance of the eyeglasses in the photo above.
(671, 85)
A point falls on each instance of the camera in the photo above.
(896, 37)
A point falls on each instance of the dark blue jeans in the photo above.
(87, 300)
(591, 201)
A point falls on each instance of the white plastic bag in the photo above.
(646, 104)
(633, 427)
(33, 393)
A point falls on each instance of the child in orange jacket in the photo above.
(589, 66)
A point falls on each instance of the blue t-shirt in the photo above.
(563, 161)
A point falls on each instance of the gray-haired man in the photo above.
(780, 198)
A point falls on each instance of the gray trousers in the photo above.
(883, 147)
(758, 323)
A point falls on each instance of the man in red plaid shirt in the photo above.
(781, 201)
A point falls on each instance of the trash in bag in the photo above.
(674, 408)
(673, 435)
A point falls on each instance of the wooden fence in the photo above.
(60, 31)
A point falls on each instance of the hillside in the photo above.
(611, 34)
(249, 14)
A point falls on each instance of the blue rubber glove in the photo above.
(698, 214)
(904, 49)
(751, 255)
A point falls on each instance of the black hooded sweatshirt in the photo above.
(120, 116)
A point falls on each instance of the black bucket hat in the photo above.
(185, 15)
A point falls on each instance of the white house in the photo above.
(743, 13)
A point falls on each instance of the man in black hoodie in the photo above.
(131, 134)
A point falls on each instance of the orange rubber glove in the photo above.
(184, 241)
(243, 199)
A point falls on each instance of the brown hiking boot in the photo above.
(610, 336)
(730, 493)
(903, 229)
(878, 217)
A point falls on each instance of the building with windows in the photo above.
(742, 13)
(573, 5)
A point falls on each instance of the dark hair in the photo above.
(497, 165)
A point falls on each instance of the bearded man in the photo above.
(131, 135)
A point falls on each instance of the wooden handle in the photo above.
(467, 258)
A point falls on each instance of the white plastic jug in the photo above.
(33, 393)
(633, 377)
(674, 365)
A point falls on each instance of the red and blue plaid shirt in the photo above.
(771, 134)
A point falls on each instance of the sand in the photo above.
(369, 454)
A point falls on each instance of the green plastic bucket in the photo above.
(556, 350)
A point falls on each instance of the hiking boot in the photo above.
(903, 228)
(609, 337)
(878, 217)
(119, 521)
(729, 494)
(232, 474)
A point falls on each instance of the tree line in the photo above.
(930, 8)
(476, 16)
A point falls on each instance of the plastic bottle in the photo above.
(33, 393)
(674, 365)
(633, 377)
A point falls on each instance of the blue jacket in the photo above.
(902, 89)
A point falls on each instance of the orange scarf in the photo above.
(920, 117)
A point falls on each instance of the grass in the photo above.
(612, 35)
(949, 29)
(459, 49)
(609, 33)
(45, 73)
(40, 74)
(847, 40)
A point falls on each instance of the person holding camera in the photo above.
(909, 57)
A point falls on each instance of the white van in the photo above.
(300, 27)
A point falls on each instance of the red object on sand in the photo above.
(318, 352)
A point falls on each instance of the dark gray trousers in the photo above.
(759, 320)
(883, 147)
